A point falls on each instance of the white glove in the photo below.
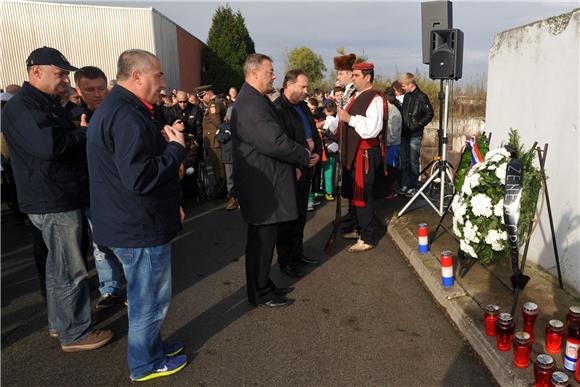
(189, 171)
(333, 148)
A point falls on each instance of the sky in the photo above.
(387, 32)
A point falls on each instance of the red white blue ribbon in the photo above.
(476, 156)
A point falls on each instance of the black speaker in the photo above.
(446, 60)
(435, 15)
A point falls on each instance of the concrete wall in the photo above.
(533, 86)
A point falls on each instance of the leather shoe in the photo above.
(278, 302)
(291, 271)
(304, 260)
(283, 291)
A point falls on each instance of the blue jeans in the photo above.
(410, 153)
(148, 274)
(106, 263)
(67, 287)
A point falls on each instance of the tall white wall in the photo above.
(533, 86)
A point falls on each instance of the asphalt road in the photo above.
(358, 319)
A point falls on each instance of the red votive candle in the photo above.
(530, 313)
(543, 370)
(490, 317)
(504, 327)
(522, 349)
(554, 331)
(559, 379)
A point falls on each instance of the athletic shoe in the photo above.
(95, 339)
(316, 203)
(391, 196)
(310, 206)
(329, 197)
(172, 349)
(53, 334)
(411, 192)
(403, 190)
(170, 366)
(360, 247)
(354, 234)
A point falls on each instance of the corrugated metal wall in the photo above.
(166, 48)
(85, 34)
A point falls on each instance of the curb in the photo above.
(457, 302)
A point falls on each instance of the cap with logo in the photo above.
(49, 56)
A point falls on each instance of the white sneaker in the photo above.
(360, 246)
(310, 207)
(354, 234)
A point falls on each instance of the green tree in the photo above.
(312, 64)
(229, 43)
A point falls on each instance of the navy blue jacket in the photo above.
(47, 153)
(135, 194)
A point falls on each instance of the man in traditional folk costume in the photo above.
(343, 66)
(363, 120)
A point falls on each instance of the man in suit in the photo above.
(300, 127)
(264, 174)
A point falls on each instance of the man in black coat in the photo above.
(299, 126)
(416, 112)
(264, 174)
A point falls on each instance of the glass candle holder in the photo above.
(543, 370)
(559, 379)
(504, 327)
(554, 332)
(529, 313)
(490, 317)
(522, 349)
(572, 339)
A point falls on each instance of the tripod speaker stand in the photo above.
(443, 166)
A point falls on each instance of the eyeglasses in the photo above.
(182, 101)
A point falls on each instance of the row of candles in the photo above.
(502, 325)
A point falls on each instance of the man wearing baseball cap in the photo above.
(49, 160)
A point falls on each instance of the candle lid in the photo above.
(446, 253)
(575, 309)
(556, 324)
(545, 361)
(506, 317)
(530, 307)
(421, 225)
(559, 377)
(522, 337)
(492, 309)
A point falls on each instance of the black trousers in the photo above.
(365, 215)
(260, 243)
(290, 240)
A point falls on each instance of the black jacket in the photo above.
(135, 194)
(191, 116)
(416, 112)
(264, 160)
(292, 123)
(47, 152)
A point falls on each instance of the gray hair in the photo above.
(131, 60)
(254, 61)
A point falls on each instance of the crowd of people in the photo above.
(114, 161)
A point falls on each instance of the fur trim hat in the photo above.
(344, 62)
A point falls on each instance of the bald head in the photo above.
(12, 89)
